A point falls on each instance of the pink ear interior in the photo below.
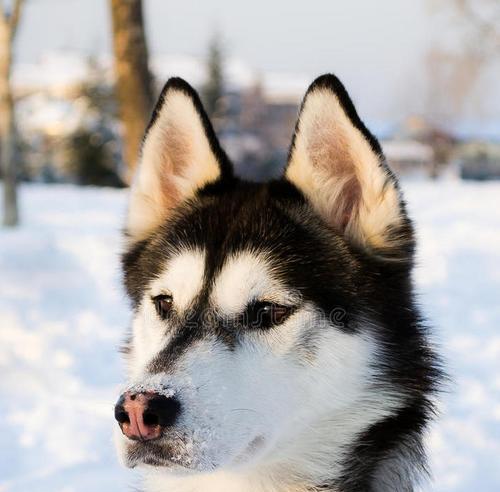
(172, 162)
(330, 156)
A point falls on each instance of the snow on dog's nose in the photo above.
(143, 416)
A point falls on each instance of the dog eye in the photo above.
(262, 314)
(163, 304)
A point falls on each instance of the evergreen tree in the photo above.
(214, 86)
(91, 148)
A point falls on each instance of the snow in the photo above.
(283, 87)
(61, 321)
(238, 74)
(56, 69)
(59, 71)
(408, 150)
(63, 315)
(40, 112)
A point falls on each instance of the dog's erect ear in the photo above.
(180, 155)
(339, 166)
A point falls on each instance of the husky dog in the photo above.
(276, 344)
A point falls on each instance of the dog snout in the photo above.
(144, 416)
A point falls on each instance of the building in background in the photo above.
(70, 131)
(479, 160)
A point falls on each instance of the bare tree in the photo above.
(134, 87)
(9, 19)
(453, 73)
(481, 20)
(452, 77)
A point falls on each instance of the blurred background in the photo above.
(78, 79)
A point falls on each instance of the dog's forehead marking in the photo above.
(182, 277)
(245, 276)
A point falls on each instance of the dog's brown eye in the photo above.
(262, 314)
(163, 304)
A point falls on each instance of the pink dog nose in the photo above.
(143, 416)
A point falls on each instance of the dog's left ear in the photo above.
(180, 155)
(339, 166)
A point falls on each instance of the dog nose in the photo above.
(143, 416)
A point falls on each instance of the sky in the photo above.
(377, 48)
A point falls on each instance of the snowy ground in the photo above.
(62, 316)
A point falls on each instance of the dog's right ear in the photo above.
(180, 155)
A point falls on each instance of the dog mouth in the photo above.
(181, 455)
(179, 452)
(158, 454)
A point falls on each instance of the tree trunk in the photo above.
(7, 128)
(134, 88)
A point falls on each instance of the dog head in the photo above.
(260, 311)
